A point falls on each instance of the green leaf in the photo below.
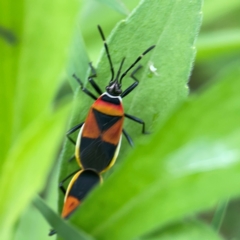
(33, 48)
(61, 226)
(174, 37)
(191, 163)
(41, 58)
(11, 25)
(184, 230)
(26, 167)
(174, 53)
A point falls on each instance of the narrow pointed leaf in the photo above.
(62, 228)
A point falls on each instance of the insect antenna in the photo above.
(120, 68)
(107, 51)
(136, 61)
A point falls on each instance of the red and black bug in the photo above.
(99, 138)
(82, 182)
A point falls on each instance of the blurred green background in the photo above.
(42, 43)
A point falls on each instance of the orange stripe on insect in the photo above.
(70, 204)
(108, 108)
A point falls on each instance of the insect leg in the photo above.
(85, 90)
(90, 79)
(72, 130)
(93, 71)
(131, 87)
(129, 139)
(65, 179)
(138, 120)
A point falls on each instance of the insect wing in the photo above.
(99, 139)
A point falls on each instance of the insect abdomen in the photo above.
(82, 182)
